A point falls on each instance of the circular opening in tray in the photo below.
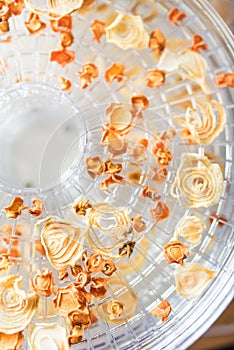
(38, 126)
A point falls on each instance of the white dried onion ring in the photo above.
(198, 181)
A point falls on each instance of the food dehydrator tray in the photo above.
(46, 135)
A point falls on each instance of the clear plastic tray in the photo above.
(32, 104)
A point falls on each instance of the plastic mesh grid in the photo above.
(26, 58)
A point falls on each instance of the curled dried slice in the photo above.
(162, 310)
(155, 78)
(11, 341)
(54, 9)
(16, 308)
(192, 279)
(109, 268)
(150, 192)
(63, 242)
(127, 249)
(198, 43)
(189, 64)
(34, 24)
(190, 228)
(174, 15)
(160, 211)
(82, 279)
(111, 180)
(95, 166)
(204, 124)
(68, 299)
(66, 39)
(175, 252)
(61, 25)
(112, 168)
(127, 32)
(81, 207)
(115, 309)
(95, 263)
(37, 208)
(43, 283)
(140, 102)
(62, 56)
(198, 181)
(65, 84)
(117, 71)
(15, 208)
(138, 150)
(108, 225)
(47, 334)
(159, 175)
(98, 287)
(121, 118)
(225, 80)
(115, 144)
(157, 41)
(99, 29)
(80, 317)
(88, 72)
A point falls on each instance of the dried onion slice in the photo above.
(192, 279)
(63, 242)
(198, 181)
(190, 228)
(16, 308)
(47, 335)
(203, 125)
(127, 32)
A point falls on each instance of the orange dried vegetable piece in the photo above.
(15, 7)
(65, 84)
(162, 153)
(95, 166)
(99, 29)
(37, 208)
(80, 317)
(198, 43)
(4, 26)
(112, 168)
(108, 268)
(175, 252)
(94, 263)
(112, 180)
(68, 299)
(115, 144)
(82, 279)
(225, 80)
(34, 24)
(157, 41)
(76, 335)
(160, 212)
(15, 208)
(62, 56)
(43, 283)
(155, 78)
(140, 101)
(63, 24)
(115, 72)
(4, 262)
(159, 175)
(66, 39)
(162, 310)
(98, 287)
(11, 341)
(81, 207)
(174, 15)
(88, 72)
(115, 309)
(150, 192)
